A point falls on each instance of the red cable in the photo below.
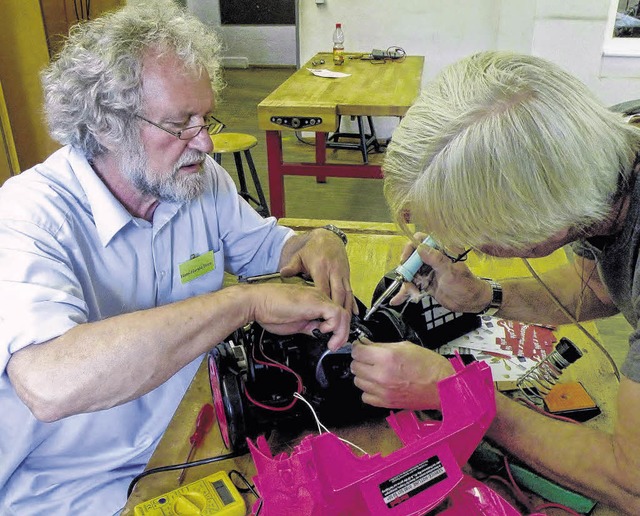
(273, 363)
(535, 407)
(551, 505)
(516, 488)
(520, 496)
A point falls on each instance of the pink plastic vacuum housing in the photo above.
(322, 476)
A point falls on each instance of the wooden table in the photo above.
(373, 249)
(310, 103)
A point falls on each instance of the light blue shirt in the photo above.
(70, 253)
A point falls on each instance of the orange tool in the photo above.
(204, 421)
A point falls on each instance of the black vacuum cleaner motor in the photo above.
(254, 374)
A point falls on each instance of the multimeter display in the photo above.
(214, 495)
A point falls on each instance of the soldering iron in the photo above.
(404, 272)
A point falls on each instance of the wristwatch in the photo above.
(336, 231)
(496, 298)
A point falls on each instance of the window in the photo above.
(623, 29)
(257, 12)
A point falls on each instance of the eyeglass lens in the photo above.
(212, 125)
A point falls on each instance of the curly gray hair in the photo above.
(93, 87)
(507, 149)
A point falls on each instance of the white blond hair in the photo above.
(506, 149)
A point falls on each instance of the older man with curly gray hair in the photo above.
(511, 156)
(112, 258)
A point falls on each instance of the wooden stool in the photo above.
(365, 141)
(237, 143)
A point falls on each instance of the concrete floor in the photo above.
(337, 199)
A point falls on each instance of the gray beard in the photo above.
(165, 187)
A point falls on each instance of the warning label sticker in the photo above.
(409, 483)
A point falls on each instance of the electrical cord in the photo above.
(521, 497)
(392, 53)
(301, 139)
(572, 318)
(321, 426)
(173, 467)
(539, 410)
(269, 362)
(396, 53)
(250, 487)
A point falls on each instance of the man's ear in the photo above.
(107, 143)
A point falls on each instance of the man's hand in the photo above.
(453, 285)
(398, 374)
(285, 309)
(321, 256)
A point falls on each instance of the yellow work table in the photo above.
(305, 102)
(373, 249)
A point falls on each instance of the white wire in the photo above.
(315, 416)
(322, 427)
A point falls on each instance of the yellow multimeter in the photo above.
(214, 495)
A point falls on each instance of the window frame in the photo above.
(618, 47)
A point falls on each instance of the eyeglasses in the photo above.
(212, 125)
(456, 258)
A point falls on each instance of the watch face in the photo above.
(496, 298)
(496, 295)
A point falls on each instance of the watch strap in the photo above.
(496, 298)
(336, 231)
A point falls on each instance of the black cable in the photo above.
(398, 51)
(173, 467)
(301, 140)
(250, 487)
(572, 317)
(393, 53)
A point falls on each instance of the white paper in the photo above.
(484, 344)
(330, 74)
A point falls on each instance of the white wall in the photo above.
(441, 30)
(568, 32)
(249, 45)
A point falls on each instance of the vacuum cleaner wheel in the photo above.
(218, 399)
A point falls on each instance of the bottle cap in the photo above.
(338, 25)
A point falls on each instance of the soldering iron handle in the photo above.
(409, 268)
